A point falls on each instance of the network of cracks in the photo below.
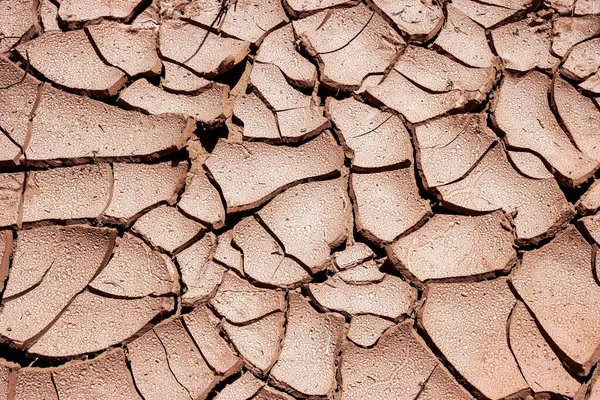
(265, 199)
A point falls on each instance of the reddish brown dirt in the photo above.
(299, 199)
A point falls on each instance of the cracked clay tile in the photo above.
(391, 298)
(366, 329)
(105, 376)
(467, 322)
(208, 107)
(589, 202)
(49, 15)
(540, 367)
(579, 115)
(92, 323)
(130, 49)
(307, 360)
(243, 388)
(139, 186)
(583, 60)
(167, 228)
(135, 270)
(363, 44)
(303, 8)
(269, 393)
(11, 193)
(75, 13)
(16, 105)
(240, 302)
(6, 242)
(418, 105)
(67, 193)
(258, 342)
(486, 14)
(522, 112)
(465, 39)
(151, 371)
(568, 31)
(57, 247)
(439, 73)
(264, 260)
(353, 255)
(529, 165)
(203, 327)
(373, 138)
(69, 60)
(449, 246)
(309, 220)
(365, 273)
(574, 7)
(279, 48)
(538, 208)
(249, 20)
(228, 255)
(179, 79)
(258, 119)
(16, 21)
(525, 45)
(248, 173)
(557, 284)
(6, 379)
(202, 51)
(396, 368)
(441, 385)
(448, 147)
(199, 274)
(419, 19)
(34, 384)
(71, 126)
(387, 204)
(185, 360)
(201, 200)
(55, 263)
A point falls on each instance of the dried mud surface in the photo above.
(299, 199)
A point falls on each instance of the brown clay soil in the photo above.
(299, 199)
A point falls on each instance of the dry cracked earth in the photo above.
(269, 200)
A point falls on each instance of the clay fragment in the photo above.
(278, 48)
(486, 14)
(167, 229)
(465, 39)
(373, 139)
(76, 13)
(34, 384)
(18, 21)
(569, 30)
(258, 120)
(181, 80)
(11, 193)
(200, 275)
(268, 393)
(302, 8)
(69, 60)
(352, 256)
(309, 220)
(250, 21)
(136, 187)
(449, 246)
(566, 284)
(522, 112)
(243, 388)
(420, 20)
(227, 255)
(93, 323)
(583, 60)
(397, 367)
(203, 52)
(529, 165)
(364, 273)
(203, 327)
(589, 202)
(475, 313)
(258, 342)
(6, 241)
(448, 147)
(248, 174)
(366, 329)
(540, 366)
(135, 270)
(538, 208)
(104, 376)
(130, 49)
(240, 302)
(202, 201)
(307, 360)
(387, 204)
(366, 37)
(391, 298)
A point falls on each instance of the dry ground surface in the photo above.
(274, 200)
